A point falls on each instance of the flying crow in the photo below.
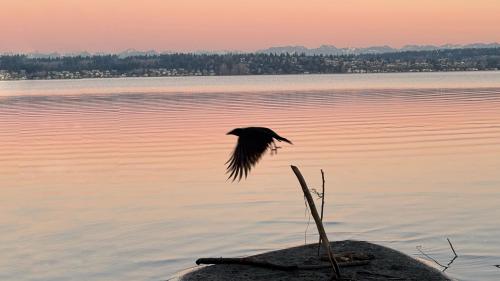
(252, 143)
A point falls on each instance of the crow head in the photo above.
(236, 132)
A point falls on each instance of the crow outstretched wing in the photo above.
(247, 153)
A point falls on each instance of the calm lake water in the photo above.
(124, 179)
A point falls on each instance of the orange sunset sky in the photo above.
(190, 25)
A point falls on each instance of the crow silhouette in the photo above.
(252, 143)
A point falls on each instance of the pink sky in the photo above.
(189, 25)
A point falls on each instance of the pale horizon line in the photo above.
(216, 51)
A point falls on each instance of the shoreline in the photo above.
(243, 75)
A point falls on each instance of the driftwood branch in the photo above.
(319, 224)
(245, 261)
(269, 265)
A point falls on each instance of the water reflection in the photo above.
(132, 186)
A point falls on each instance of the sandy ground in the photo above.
(386, 264)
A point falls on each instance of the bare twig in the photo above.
(322, 204)
(445, 267)
(454, 258)
(449, 264)
(419, 248)
(451, 246)
(322, 193)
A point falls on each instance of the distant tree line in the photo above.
(24, 67)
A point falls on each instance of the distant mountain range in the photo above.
(322, 50)
(332, 50)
